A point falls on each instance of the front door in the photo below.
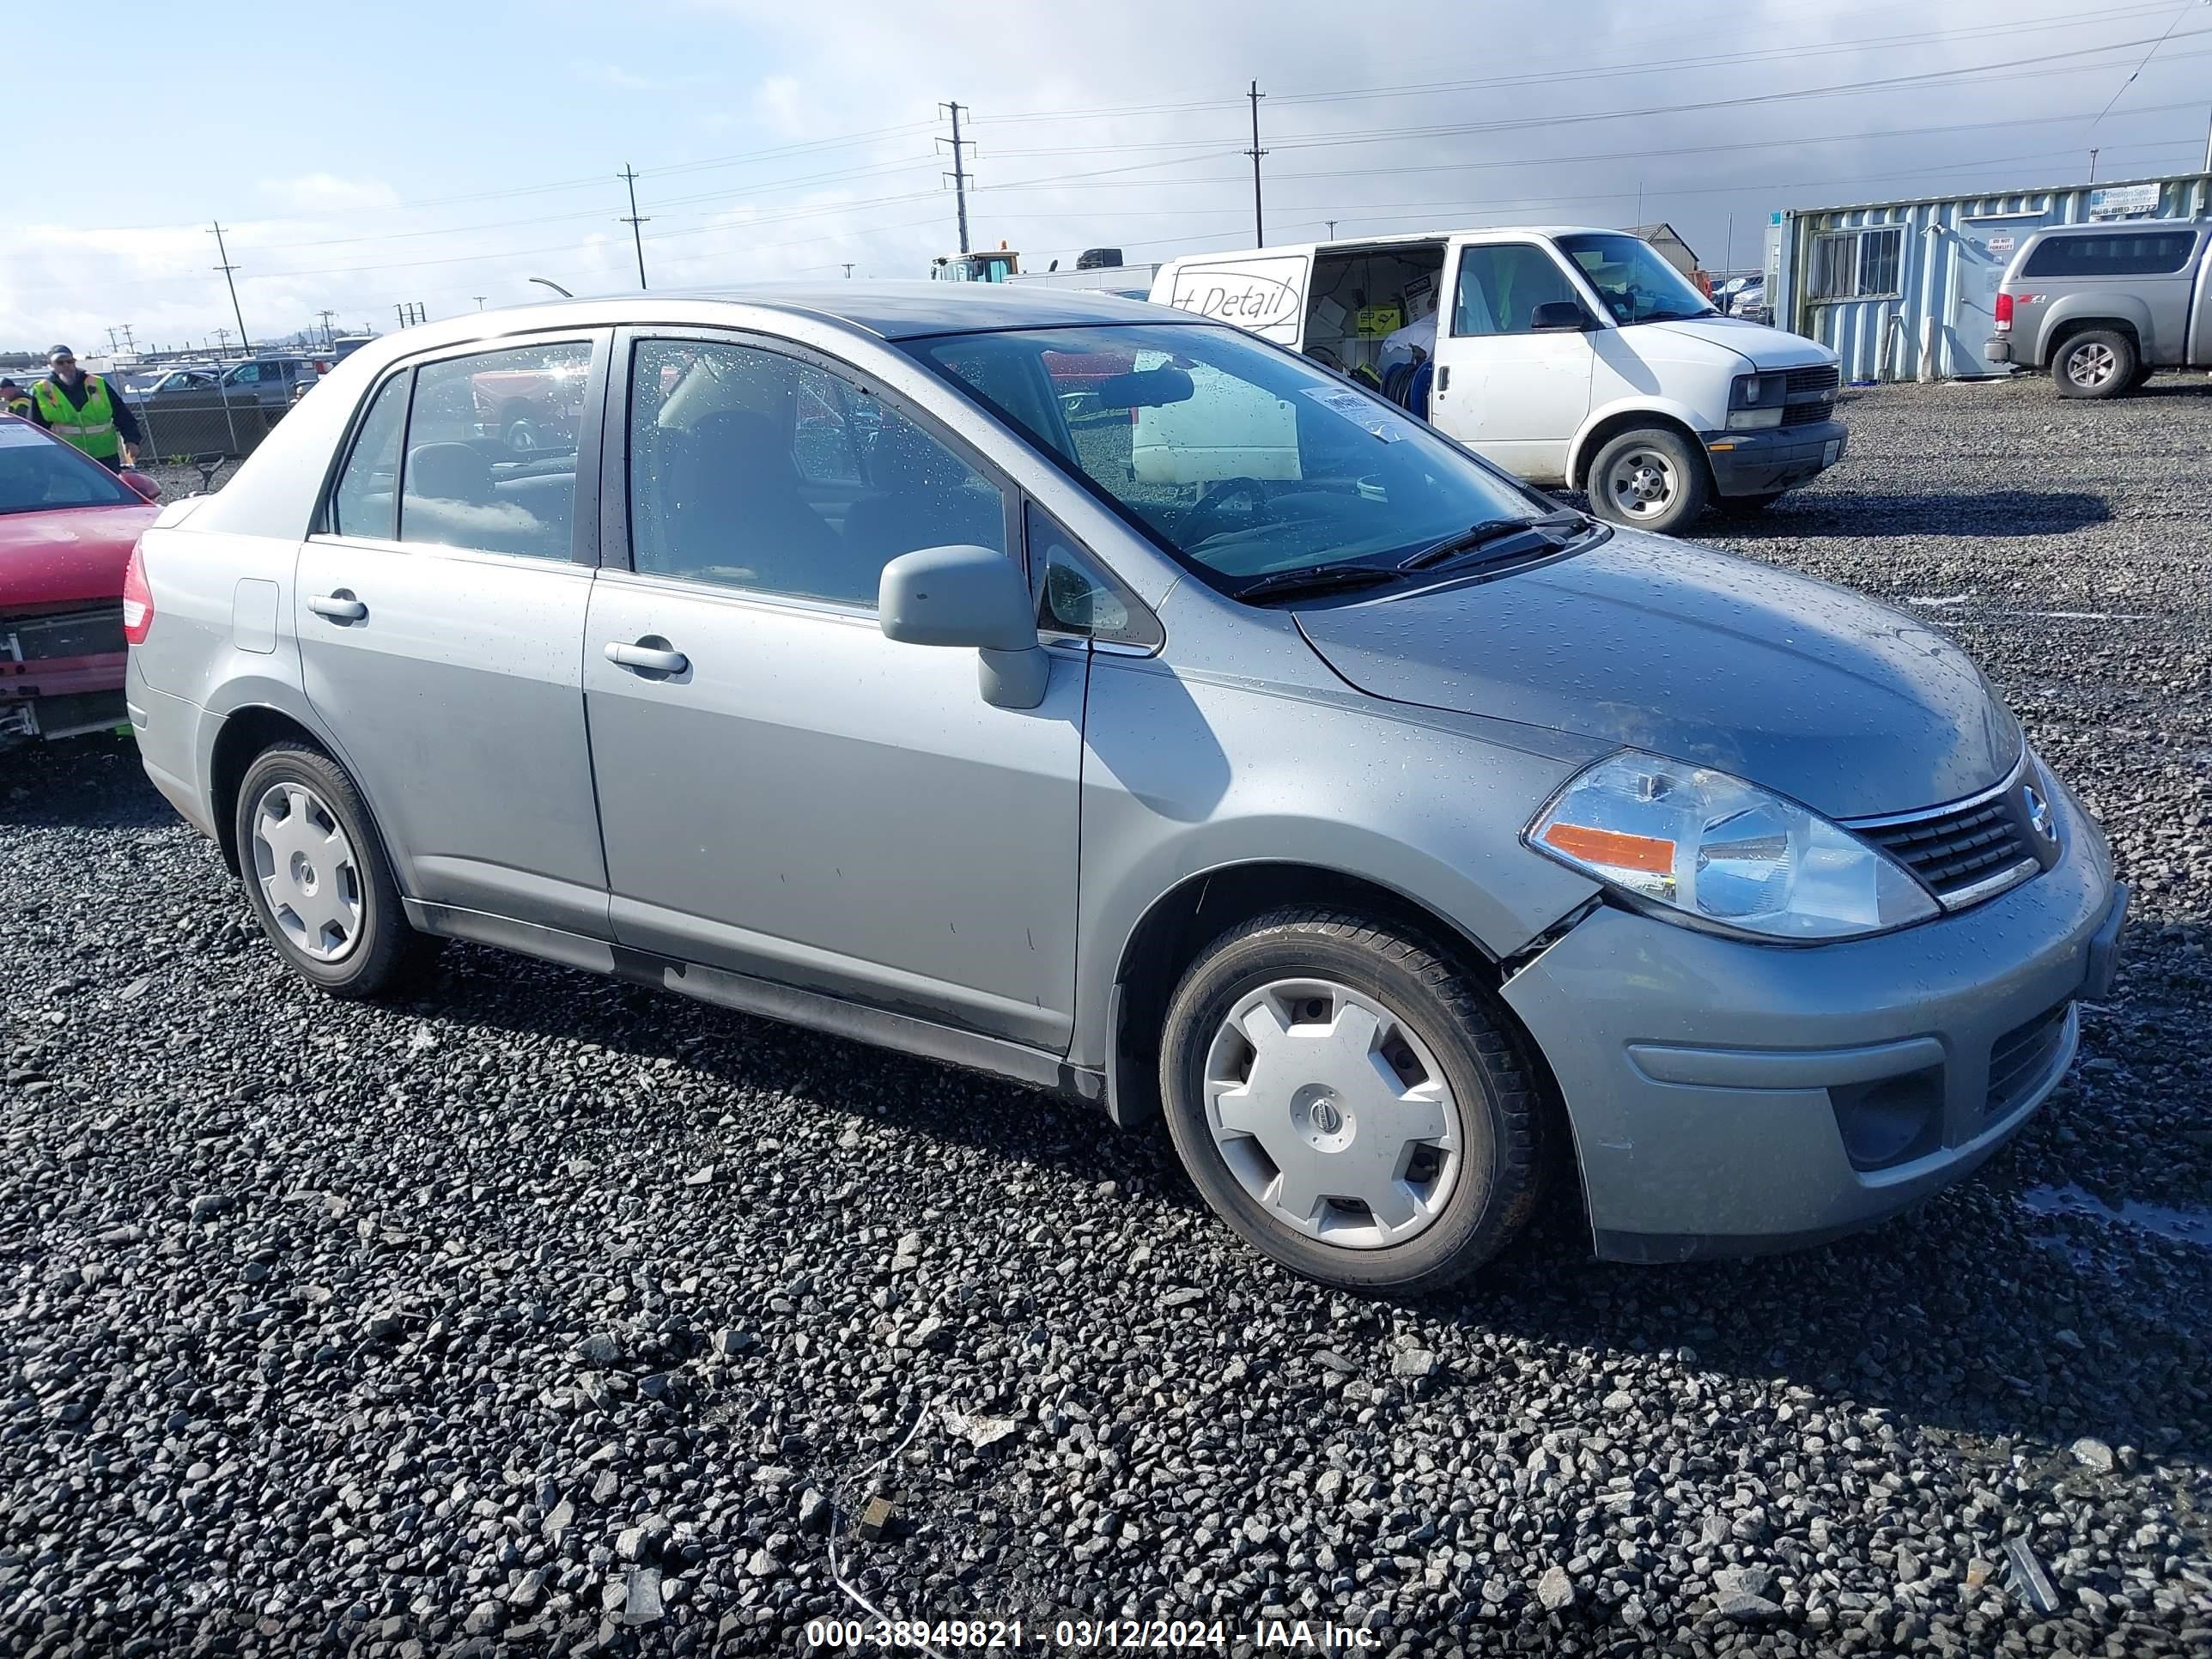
(1985, 248)
(785, 792)
(440, 622)
(1514, 395)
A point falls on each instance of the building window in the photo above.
(1858, 264)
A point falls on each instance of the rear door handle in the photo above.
(340, 606)
(1443, 378)
(648, 658)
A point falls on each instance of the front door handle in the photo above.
(650, 655)
(340, 606)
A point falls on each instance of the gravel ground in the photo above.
(550, 1312)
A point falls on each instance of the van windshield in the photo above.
(1240, 459)
(1637, 285)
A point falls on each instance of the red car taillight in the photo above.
(2003, 311)
(138, 600)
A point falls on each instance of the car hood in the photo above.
(67, 554)
(1845, 705)
(1767, 348)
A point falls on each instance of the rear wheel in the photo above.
(1346, 1098)
(317, 877)
(2098, 362)
(1650, 478)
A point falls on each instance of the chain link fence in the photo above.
(179, 426)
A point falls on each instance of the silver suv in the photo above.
(1392, 830)
(2105, 306)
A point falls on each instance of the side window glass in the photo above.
(246, 375)
(1501, 286)
(1074, 595)
(366, 500)
(491, 451)
(756, 470)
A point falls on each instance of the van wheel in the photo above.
(2098, 362)
(317, 877)
(1651, 479)
(1349, 1103)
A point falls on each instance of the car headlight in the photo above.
(1724, 853)
(1754, 401)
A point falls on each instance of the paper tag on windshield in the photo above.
(1362, 412)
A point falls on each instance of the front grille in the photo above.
(1826, 378)
(1951, 850)
(2021, 1060)
(72, 634)
(1807, 413)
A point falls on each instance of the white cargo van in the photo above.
(1575, 357)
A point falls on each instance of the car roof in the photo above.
(894, 310)
(2120, 227)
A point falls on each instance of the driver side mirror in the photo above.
(1559, 317)
(968, 596)
(139, 481)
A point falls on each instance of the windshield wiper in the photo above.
(1314, 579)
(1479, 536)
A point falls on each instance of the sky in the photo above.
(442, 154)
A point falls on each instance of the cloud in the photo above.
(324, 193)
(622, 80)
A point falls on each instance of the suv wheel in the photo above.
(1650, 479)
(1345, 1098)
(2098, 362)
(316, 875)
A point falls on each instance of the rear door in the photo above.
(440, 621)
(1515, 395)
(787, 793)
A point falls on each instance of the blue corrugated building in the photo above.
(1903, 290)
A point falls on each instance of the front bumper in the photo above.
(1732, 1098)
(1776, 458)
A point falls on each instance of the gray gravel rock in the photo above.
(352, 1406)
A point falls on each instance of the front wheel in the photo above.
(1650, 479)
(316, 876)
(1348, 1101)
(2098, 362)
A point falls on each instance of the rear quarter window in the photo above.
(2154, 253)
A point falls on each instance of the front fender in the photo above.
(1184, 776)
(1658, 411)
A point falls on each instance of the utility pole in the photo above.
(1259, 235)
(222, 340)
(2092, 165)
(959, 172)
(479, 299)
(849, 265)
(2207, 143)
(129, 344)
(114, 345)
(226, 267)
(629, 176)
(329, 339)
(1331, 223)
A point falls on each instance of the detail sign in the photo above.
(2124, 201)
(1266, 296)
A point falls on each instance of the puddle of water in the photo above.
(2180, 1226)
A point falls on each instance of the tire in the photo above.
(2098, 362)
(1650, 479)
(1470, 1190)
(1745, 507)
(324, 893)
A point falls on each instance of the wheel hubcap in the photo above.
(1641, 484)
(1332, 1113)
(307, 871)
(2092, 365)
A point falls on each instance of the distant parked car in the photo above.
(66, 526)
(2105, 306)
(178, 382)
(268, 380)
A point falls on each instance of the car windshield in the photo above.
(1238, 457)
(37, 473)
(1637, 285)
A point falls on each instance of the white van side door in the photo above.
(1516, 394)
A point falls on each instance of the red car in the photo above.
(67, 526)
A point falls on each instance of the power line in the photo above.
(629, 176)
(2138, 70)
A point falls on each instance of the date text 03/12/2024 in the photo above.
(1122, 1635)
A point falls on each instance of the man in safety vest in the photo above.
(14, 400)
(78, 408)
